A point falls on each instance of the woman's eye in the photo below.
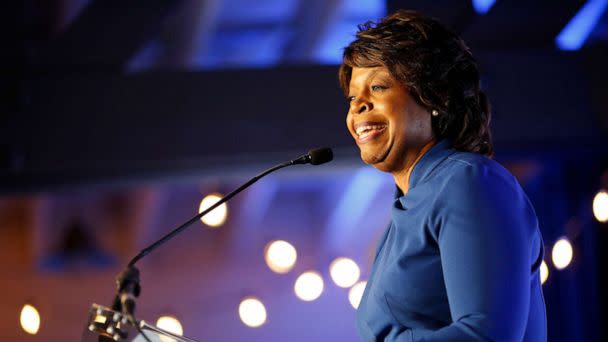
(350, 99)
(378, 87)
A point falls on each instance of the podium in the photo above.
(107, 325)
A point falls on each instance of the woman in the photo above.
(460, 260)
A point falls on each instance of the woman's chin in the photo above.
(376, 159)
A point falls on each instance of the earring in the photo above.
(434, 112)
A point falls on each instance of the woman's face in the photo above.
(388, 125)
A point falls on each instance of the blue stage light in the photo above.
(574, 35)
(343, 30)
(356, 199)
(483, 6)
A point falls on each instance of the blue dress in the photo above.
(460, 259)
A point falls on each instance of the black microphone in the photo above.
(315, 157)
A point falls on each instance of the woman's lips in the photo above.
(368, 131)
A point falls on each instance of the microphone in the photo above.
(316, 156)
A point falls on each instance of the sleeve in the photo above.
(484, 227)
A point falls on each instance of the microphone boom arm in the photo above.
(185, 225)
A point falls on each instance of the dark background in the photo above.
(117, 117)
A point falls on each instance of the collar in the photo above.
(438, 153)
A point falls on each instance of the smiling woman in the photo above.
(460, 259)
(390, 127)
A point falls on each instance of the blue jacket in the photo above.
(460, 259)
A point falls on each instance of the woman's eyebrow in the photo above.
(382, 77)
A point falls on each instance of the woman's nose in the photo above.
(360, 106)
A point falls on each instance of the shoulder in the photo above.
(478, 197)
(465, 170)
(469, 182)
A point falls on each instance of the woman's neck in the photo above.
(402, 177)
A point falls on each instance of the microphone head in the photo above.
(320, 155)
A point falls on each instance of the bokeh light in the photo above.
(172, 325)
(280, 256)
(252, 312)
(344, 272)
(217, 216)
(30, 319)
(544, 272)
(562, 253)
(600, 206)
(309, 286)
(355, 293)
